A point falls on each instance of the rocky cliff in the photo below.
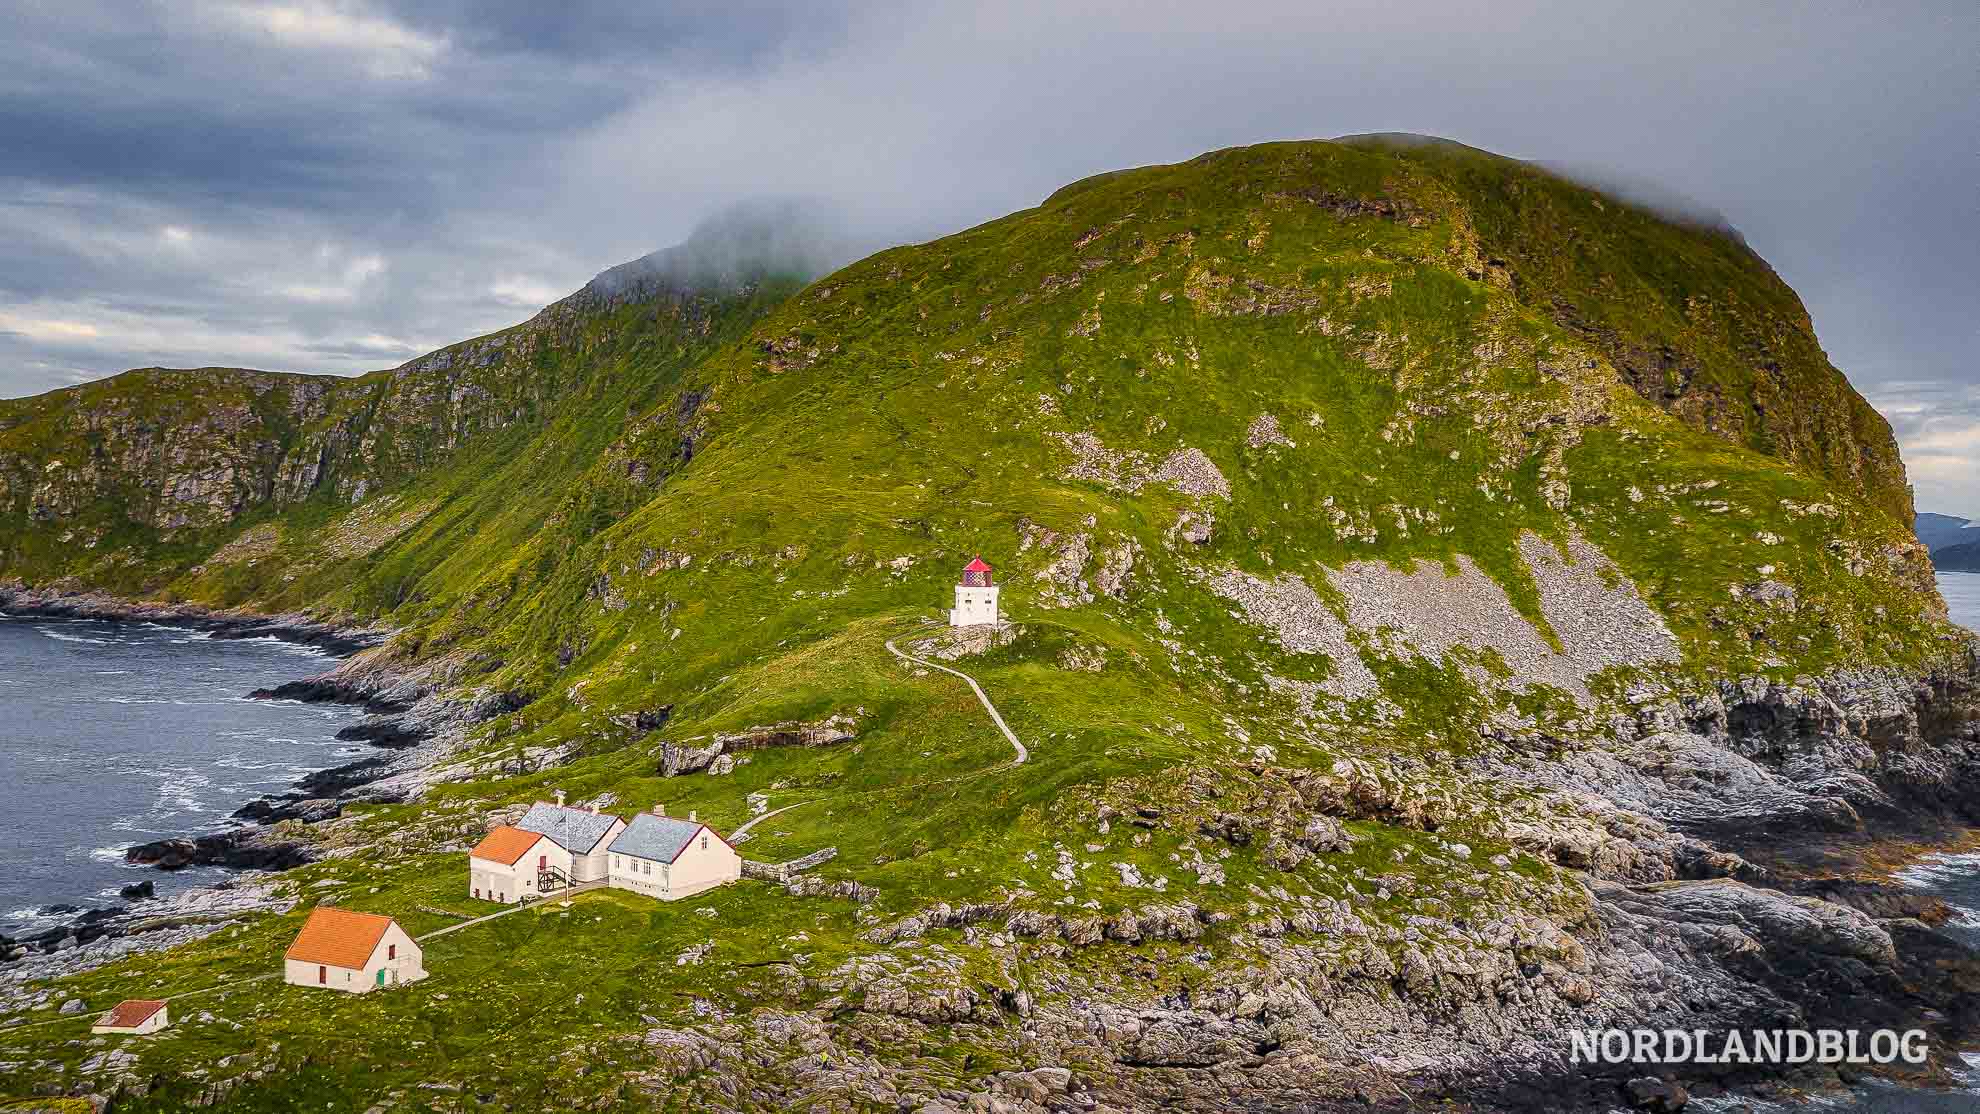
(1452, 607)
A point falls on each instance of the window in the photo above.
(615, 862)
(323, 975)
(477, 893)
(704, 843)
(649, 867)
(391, 951)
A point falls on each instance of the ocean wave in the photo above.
(32, 919)
(178, 794)
(300, 649)
(1939, 869)
(242, 762)
(58, 636)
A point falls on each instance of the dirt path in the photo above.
(581, 887)
(744, 830)
(995, 718)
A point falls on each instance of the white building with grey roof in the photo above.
(584, 833)
(670, 858)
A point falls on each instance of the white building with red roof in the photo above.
(342, 949)
(668, 858)
(135, 1017)
(511, 865)
(976, 597)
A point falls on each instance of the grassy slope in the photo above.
(909, 407)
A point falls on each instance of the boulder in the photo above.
(1659, 1096)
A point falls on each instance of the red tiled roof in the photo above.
(131, 1014)
(505, 844)
(338, 937)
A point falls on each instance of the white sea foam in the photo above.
(1940, 868)
(58, 636)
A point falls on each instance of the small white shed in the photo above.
(137, 1016)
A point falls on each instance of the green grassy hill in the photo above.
(1307, 470)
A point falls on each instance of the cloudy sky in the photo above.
(338, 185)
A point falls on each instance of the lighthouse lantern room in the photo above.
(976, 597)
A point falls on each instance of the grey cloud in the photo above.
(486, 152)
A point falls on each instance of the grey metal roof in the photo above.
(660, 838)
(575, 830)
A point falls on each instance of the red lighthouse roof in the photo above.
(976, 565)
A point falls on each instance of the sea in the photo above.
(113, 734)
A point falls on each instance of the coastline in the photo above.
(248, 844)
(19, 599)
(405, 693)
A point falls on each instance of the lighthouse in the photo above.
(976, 597)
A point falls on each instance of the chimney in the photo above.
(560, 798)
(659, 810)
(691, 818)
(595, 810)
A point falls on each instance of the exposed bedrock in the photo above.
(713, 753)
(1697, 918)
(241, 848)
(1787, 773)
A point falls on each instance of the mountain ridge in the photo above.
(1425, 602)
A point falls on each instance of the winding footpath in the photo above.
(744, 830)
(995, 718)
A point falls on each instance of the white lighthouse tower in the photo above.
(976, 597)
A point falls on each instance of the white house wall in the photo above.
(974, 606)
(639, 875)
(513, 882)
(407, 965)
(149, 1025)
(696, 869)
(708, 862)
(596, 865)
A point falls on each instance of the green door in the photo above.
(381, 978)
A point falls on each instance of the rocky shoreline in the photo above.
(406, 716)
(1681, 930)
(19, 599)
